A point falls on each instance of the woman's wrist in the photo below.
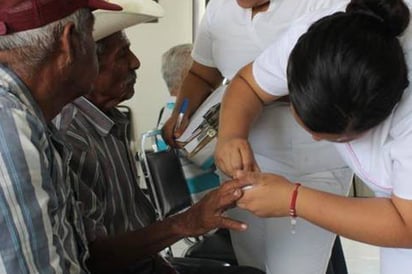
(292, 207)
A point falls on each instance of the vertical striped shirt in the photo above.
(40, 226)
(112, 202)
(103, 160)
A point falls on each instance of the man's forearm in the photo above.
(119, 251)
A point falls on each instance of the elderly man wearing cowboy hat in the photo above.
(120, 222)
(43, 47)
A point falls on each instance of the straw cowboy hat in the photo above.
(134, 12)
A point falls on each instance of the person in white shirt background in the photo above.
(347, 78)
(232, 34)
(176, 62)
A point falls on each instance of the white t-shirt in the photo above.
(382, 157)
(229, 38)
(269, 68)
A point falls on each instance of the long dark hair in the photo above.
(348, 71)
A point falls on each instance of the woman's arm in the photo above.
(242, 103)
(197, 86)
(378, 221)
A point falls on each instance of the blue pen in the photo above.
(182, 111)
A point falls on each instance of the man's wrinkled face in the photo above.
(117, 76)
(86, 66)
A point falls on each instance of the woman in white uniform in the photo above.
(232, 34)
(346, 78)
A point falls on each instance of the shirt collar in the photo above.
(101, 122)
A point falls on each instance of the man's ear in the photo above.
(67, 45)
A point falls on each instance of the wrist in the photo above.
(177, 225)
(292, 207)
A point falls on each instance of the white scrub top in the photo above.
(228, 39)
(269, 68)
(382, 157)
(248, 36)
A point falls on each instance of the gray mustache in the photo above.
(131, 79)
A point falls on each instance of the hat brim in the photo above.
(133, 13)
(104, 5)
(25, 15)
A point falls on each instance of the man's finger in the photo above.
(227, 198)
(232, 224)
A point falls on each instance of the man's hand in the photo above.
(207, 214)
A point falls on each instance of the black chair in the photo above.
(169, 192)
(216, 246)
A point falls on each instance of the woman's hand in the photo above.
(268, 196)
(235, 154)
(170, 131)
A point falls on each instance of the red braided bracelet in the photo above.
(292, 208)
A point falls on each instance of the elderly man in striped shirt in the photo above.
(121, 228)
(43, 47)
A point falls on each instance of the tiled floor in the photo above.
(360, 258)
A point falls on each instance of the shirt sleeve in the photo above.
(203, 46)
(401, 157)
(269, 68)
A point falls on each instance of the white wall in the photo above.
(148, 42)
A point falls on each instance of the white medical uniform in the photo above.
(228, 39)
(382, 157)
